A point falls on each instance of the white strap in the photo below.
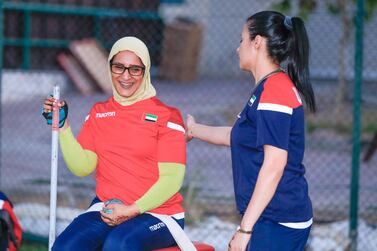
(96, 207)
(176, 231)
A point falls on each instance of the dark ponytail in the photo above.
(298, 62)
(287, 41)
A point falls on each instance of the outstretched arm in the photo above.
(218, 135)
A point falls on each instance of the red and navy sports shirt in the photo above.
(274, 116)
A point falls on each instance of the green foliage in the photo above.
(305, 7)
(370, 128)
(283, 6)
(344, 127)
(333, 6)
(370, 6)
(30, 246)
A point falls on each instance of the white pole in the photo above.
(54, 167)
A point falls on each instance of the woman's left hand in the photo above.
(239, 242)
(119, 213)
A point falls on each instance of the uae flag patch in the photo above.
(150, 117)
(252, 99)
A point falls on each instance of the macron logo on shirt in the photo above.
(105, 114)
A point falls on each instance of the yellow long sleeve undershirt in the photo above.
(168, 184)
(80, 162)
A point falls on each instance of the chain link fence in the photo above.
(195, 68)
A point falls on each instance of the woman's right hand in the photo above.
(217, 135)
(115, 214)
(47, 111)
(190, 123)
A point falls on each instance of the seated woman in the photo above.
(136, 145)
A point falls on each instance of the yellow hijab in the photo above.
(146, 89)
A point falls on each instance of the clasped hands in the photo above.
(116, 214)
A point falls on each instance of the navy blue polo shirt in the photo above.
(274, 116)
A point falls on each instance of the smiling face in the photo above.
(125, 83)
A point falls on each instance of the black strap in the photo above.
(269, 74)
(7, 230)
(3, 235)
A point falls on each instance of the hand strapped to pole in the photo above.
(63, 114)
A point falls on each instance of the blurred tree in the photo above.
(345, 9)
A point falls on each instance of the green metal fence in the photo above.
(96, 13)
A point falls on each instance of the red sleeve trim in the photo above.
(279, 90)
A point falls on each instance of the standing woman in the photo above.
(136, 145)
(267, 140)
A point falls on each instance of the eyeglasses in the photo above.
(133, 70)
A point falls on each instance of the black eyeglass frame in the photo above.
(128, 69)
